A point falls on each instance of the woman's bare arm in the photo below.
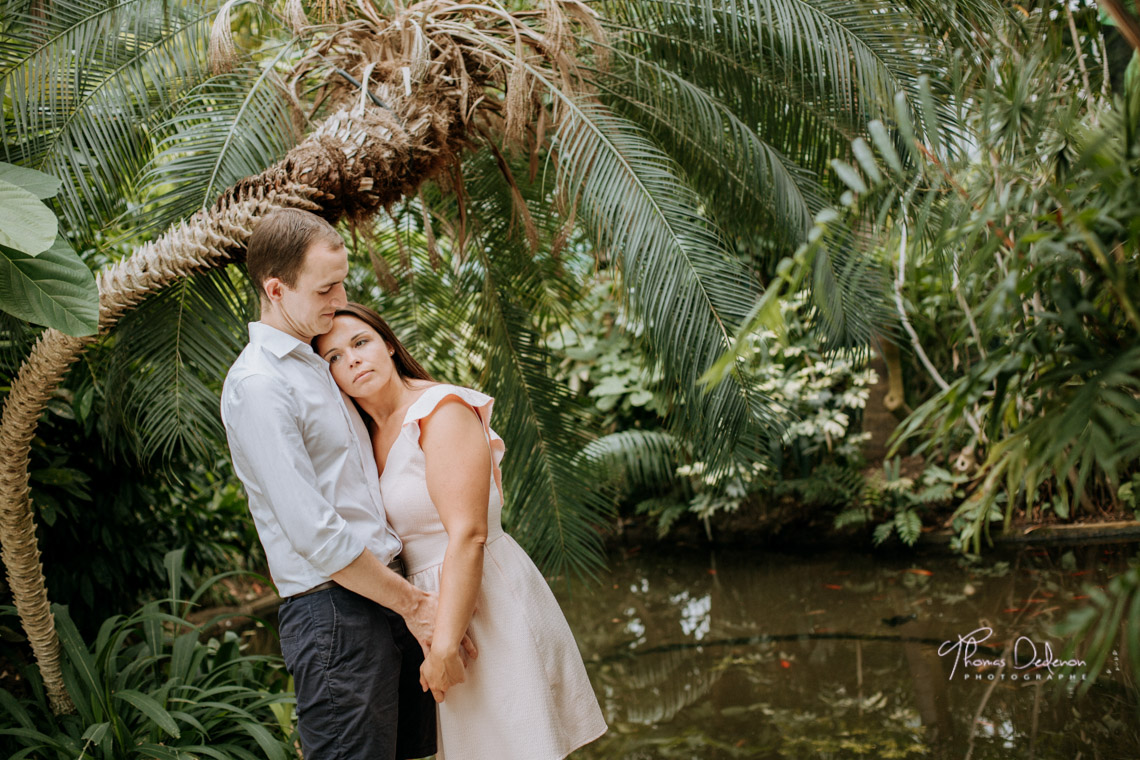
(459, 483)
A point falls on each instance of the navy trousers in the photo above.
(356, 672)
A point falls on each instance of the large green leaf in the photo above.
(54, 289)
(26, 223)
(37, 183)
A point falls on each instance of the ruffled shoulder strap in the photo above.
(481, 403)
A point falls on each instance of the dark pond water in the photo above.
(710, 656)
(757, 655)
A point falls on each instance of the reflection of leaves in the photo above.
(850, 726)
(662, 684)
(1113, 614)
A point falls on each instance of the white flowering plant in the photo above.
(821, 396)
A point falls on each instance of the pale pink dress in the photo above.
(527, 696)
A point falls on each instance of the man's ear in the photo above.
(273, 289)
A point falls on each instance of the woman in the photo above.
(527, 695)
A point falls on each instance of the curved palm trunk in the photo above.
(352, 164)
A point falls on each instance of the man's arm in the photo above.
(369, 577)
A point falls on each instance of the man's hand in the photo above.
(368, 577)
(420, 619)
(421, 622)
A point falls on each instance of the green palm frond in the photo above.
(807, 74)
(753, 185)
(850, 291)
(683, 284)
(170, 356)
(791, 117)
(844, 60)
(636, 458)
(82, 83)
(16, 339)
(225, 129)
(427, 303)
(549, 505)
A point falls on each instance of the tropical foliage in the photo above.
(43, 281)
(663, 234)
(147, 686)
(656, 138)
(1030, 216)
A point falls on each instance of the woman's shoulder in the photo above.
(431, 396)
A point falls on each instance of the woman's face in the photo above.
(360, 360)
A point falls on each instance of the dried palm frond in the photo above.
(495, 62)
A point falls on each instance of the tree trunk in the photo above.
(884, 402)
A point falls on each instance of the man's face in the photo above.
(308, 308)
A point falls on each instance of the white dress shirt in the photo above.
(304, 456)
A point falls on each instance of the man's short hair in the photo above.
(279, 243)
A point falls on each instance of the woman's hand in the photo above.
(440, 671)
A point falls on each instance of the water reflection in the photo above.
(765, 656)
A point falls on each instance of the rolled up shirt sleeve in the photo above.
(270, 457)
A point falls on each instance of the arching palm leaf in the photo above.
(169, 358)
(683, 284)
(521, 297)
(228, 127)
(753, 186)
(85, 80)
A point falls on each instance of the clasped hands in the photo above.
(443, 666)
(442, 670)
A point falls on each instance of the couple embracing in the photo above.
(411, 623)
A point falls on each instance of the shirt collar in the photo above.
(277, 342)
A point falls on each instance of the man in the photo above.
(306, 462)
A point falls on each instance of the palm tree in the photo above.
(681, 142)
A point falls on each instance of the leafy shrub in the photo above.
(1032, 231)
(147, 686)
(106, 523)
(602, 361)
(821, 395)
(898, 504)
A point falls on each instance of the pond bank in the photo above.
(790, 527)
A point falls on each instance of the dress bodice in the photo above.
(403, 484)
